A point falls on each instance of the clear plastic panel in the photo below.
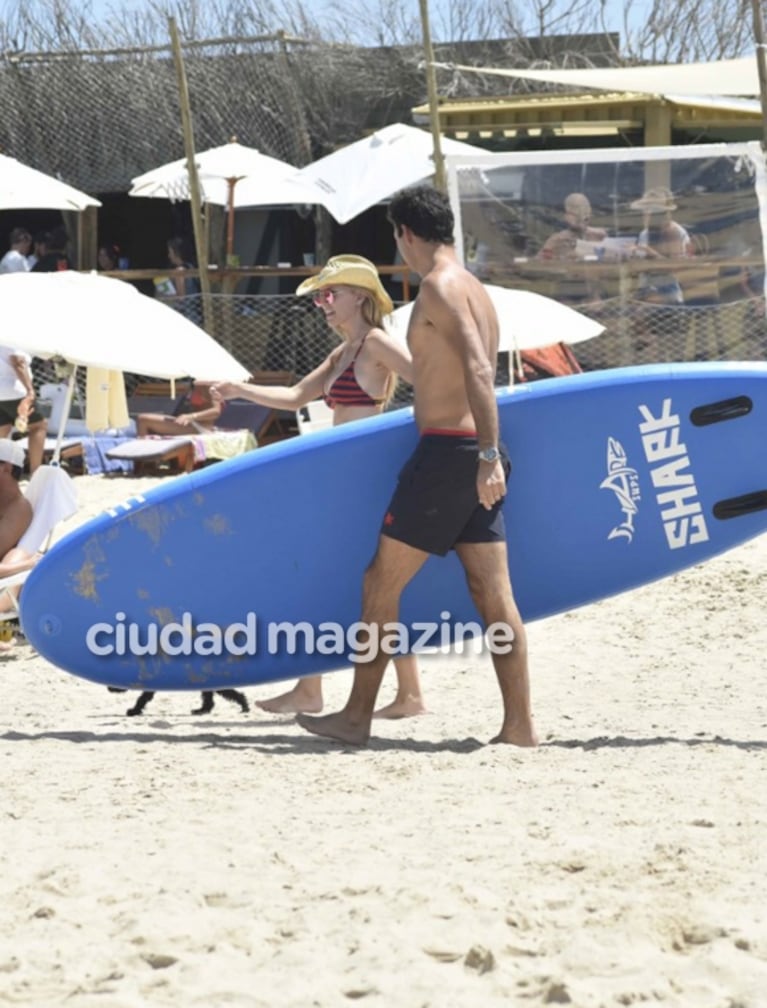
(664, 246)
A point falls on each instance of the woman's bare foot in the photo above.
(305, 697)
(402, 707)
(337, 727)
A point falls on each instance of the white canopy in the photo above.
(26, 188)
(720, 77)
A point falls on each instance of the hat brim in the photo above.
(348, 278)
(653, 205)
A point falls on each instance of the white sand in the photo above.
(232, 860)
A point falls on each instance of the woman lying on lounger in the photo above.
(199, 422)
(356, 380)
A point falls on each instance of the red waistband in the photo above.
(448, 432)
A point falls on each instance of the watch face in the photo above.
(489, 454)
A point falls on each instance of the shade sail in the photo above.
(719, 77)
(365, 172)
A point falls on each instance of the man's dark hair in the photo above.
(19, 234)
(426, 211)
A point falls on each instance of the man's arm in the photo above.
(21, 367)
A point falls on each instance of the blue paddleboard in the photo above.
(250, 571)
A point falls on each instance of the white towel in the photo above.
(51, 492)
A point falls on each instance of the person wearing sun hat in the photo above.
(349, 271)
(661, 238)
(357, 379)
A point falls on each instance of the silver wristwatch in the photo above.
(489, 454)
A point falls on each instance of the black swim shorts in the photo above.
(9, 412)
(435, 503)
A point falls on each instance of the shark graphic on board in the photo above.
(624, 483)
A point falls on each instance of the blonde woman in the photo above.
(356, 379)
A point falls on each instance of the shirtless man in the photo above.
(453, 339)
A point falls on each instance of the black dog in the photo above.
(205, 708)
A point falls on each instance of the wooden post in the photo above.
(761, 63)
(198, 225)
(440, 180)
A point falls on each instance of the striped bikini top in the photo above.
(346, 391)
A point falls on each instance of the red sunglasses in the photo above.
(324, 296)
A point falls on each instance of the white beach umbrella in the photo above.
(26, 188)
(365, 172)
(103, 322)
(526, 320)
(232, 176)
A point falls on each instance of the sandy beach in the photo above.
(232, 860)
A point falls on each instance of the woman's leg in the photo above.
(409, 700)
(305, 697)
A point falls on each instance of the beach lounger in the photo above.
(242, 426)
(70, 450)
(154, 453)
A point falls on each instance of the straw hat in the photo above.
(11, 452)
(353, 270)
(657, 200)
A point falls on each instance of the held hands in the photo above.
(491, 483)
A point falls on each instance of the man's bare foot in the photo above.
(519, 735)
(295, 701)
(402, 707)
(336, 726)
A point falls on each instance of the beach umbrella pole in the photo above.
(68, 396)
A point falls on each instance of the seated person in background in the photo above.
(15, 519)
(193, 422)
(660, 239)
(564, 244)
(574, 243)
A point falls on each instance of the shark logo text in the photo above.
(680, 509)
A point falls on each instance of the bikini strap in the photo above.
(362, 343)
